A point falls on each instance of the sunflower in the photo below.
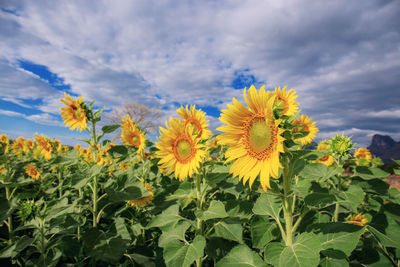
(143, 201)
(327, 160)
(285, 100)
(363, 153)
(4, 141)
(358, 219)
(131, 135)
(2, 169)
(18, 146)
(304, 124)
(253, 137)
(197, 119)
(29, 145)
(43, 146)
(31, 170)
(124, 166)
(179, 149)
(74, 114)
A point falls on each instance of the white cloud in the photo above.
(42, 118)
(340, 56)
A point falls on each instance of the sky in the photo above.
(342, 57)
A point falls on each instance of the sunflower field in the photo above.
(261, 193)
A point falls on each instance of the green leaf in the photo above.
(241, 256)
(330, 262)
(129, 193)
(302, 187)
(229, 231)
(240, 210)
(303, 253)
(218, 174)
(367, 173)
(177, 253)
(317, 171)
(13, 250)
(386, 240)
(173, 232)
(352, 198)
(119, 150)
(120, 226)
(319, 200)
(103, 247)
(214, 211)
(110, 128)
(142, 260)
(272, 252)
(269, 205)
(338, 236)
(263, 231)
(170, 215)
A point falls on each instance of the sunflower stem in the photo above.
(199, 229)
(287, 207)
(94, 189)
(9, 219)
(337, 206)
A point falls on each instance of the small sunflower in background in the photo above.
(18, 146)
(4, 142)
(74, 114)
(131, 134)
(179, 149)
(304, 124)
(31, 170)
(358, 219)
(285, 100)
(43, 146)
(143, 201)
(197, 119)
(253, 137)
(2, 169)
(363, 153)
(328, 160)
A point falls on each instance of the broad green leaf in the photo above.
(120, 149)
(177, 253)
(330, 262)
(110, 128)
(302, 187)
(170, 215)
(13, 250)
(352, 198)
(392, 240)
(303, 253)
(269, 205)
(6, 208)
(263, 231)
(241, 256)
(240, 210)
(230, 231)
(319, 200)
(218, 174)
(367, 173)
(120, 226)
(128, 193)
(338, 236)
(142, 260)
(272, 252)
(214, 211)
(103, 247)
(173, 232)
(314, 171)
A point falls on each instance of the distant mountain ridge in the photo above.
(385, 147)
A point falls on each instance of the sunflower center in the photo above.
(183, 149)
(301, 128)
(135, 140)
(324, 158)
(281, 104)
(260, 134)
(196, 126)
(79, 113)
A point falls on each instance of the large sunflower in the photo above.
(363, 153)
(285, 100)
(304, 124)
(73, 114)
(179, 149)
(253, 137)
(131, 135)
(327, 160)
(43, 146)
(197, 119)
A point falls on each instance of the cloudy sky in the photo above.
(342, 57)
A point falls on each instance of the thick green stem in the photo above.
(9, 219)
(95, 201)
(337, 206)
(199, 229)
(287, 207)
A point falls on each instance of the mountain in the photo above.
(385, 147)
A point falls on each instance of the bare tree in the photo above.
(146, 118)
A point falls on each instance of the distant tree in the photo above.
(146, 118)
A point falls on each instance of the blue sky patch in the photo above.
(243, 78)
